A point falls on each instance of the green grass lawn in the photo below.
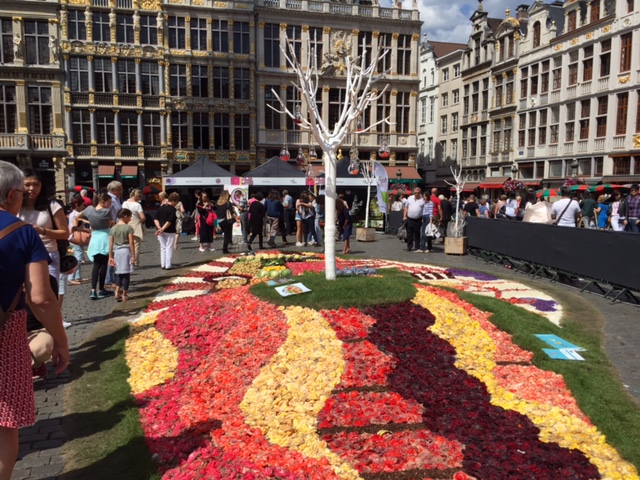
(107, 440)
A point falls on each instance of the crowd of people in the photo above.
(613, 211)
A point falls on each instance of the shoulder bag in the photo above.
(63, 245)
(559, 217)
(5, 315)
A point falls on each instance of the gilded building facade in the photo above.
(137, 89)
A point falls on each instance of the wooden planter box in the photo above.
(455, 246)
(366, 234)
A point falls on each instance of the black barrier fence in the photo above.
(601, 255)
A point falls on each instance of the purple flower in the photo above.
(545, 305)
(467, 273)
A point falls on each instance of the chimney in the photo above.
(522, 13)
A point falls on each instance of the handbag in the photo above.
(230, 216)
(63, 245)
(81, 238)
(402, 232)
(211, 219)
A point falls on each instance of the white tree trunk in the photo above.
(330, 196)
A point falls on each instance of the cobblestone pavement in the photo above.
(40, 455)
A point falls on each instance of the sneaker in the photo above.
(195, 239)
(212, 249)
(419, 251)
(94, 296)
(202, 249)
(105, 293)
(66, 324)
(299, 244)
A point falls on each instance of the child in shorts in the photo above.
(121, 248)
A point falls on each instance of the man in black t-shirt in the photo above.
(471, 207)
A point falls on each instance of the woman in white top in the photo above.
(137, 222)
(616, 224)
(46, 216)
(512, 206)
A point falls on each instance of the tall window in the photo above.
(242, 131)
(6, 36)
(77, 25)
(294, 36)
(128, 128)
(199, 81)
(625, 52)
(241, 84)
(595, 10)
(444, 124)
(177, 32)
(536, 34)
(601, 119)
(383, 107)
(178, 80)
(151, 129)
(456, 97)
(423, 111)
(336, 99)
(78, 74)
(241, 39)
(573, 74)
(8, 102)
(150, 77)
(445, 99)
(201, 131)
(544, 77)
(587, 69)
(605, 58)
(148, 30)
(271, 117)
(621, 115)
(293, 102)
(103, 78)
(272, 45)
(221, 131)
(584, 129)
(402, 112)
(36, 39)
(101, 28)
(126, 76)
(638, 112)
(456, 70)
(179, 130)
(105, 127)
(199, 34)
(384, 63)
(221, 82)
(124, 28)
(569, 131)
(557, 79)
(220, 36)
(315, 39)
(432, 109)
(506, 143)
(572, 18)
(365, 46)
(81, 128)
(403, 65)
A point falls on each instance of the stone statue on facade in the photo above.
(17, 45)
(136, 20)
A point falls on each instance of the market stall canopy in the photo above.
(202, 173)
(468, 187)
(277, 173)
(493, 182)
(409, 174)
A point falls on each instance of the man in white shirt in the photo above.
(565, 211)
(287, 203)
(413, 217)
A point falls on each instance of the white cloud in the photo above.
(448, 20)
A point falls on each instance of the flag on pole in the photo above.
(382, 182)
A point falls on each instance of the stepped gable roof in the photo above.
(275, 168)
(445, 48)
(203, 168)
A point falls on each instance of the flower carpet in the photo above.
(230, 386)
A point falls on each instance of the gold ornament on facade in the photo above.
(606, 29)
(589, 35)
(283, 27)
(220, 4)
(326, 29)
(94, 151)
(558, 47)
(198, 2)
(636, 140)
(624, 79)
(497, 46)
(574, 41)
(79, 2)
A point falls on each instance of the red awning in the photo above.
(129, 171)
(408, 173)
(531, 183)
(106, 171)
(493, 182)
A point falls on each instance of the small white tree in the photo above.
(457, 228)
(359, 80)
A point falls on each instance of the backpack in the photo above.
(211, 219)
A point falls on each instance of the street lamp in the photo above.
(399, 175)
(514, 171)
(574, 167)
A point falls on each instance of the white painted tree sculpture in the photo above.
(457, 228)
(359, 77)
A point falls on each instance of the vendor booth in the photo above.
(276, 173)
(202, 173)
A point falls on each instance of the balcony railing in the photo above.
(153, 152)
(531, 151)
(553, 150)
(585, 88)
(571, 91)
(583, 146)
(598, 144)
(618, 142)
(150, 101)
(555, 96)
(544, 98)
(495, 157)
(340, 8)
(13, 141)
(106, 150)
(127, 100)
(129, 151)
(464, 161)
(603, 84)
(47, 142)
(482, 160)
(568, 148)
(523, 103)
(80, 98)
(103, 99)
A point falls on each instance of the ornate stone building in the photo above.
(136, 89)
(31, 124)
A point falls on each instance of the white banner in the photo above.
(382, 182)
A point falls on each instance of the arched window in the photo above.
(536, 34)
